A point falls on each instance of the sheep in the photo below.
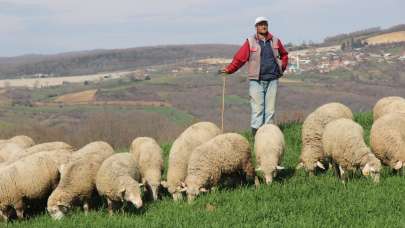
(22, 140)
(312, 155)
(223, 155)
(344, 144)
(54, 153)
(50, 146)
(180, 152)
(9, 151)
(269, 147)
(118, 180)
(32, 177)
(385, 105)
(14, 147)
(387, 140)
(77, 181)
(148, 156)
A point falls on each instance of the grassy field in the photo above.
(294, 199)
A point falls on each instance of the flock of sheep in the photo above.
(200, 158)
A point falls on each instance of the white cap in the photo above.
(261, 19)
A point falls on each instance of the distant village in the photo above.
(317, 59)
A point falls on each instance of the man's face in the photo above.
(262, 27)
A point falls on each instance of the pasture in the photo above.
(294, 199)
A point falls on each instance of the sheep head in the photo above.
(132, 194)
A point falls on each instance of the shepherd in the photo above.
(267, 60)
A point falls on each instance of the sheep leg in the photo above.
(401, 171)
(110, 207)
(86, 206)
(114, 205)
(19, 209)
(343, 175)
(257, 181)
(336, 170)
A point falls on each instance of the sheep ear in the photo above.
(203, 190)
(183, 189)
(300, 165)
(398, 165)
(320, 165)
(141, 184)
(164, 184)
(280, 167)
(258, 169)
(183, 185)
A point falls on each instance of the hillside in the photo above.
(90, 62)
(362, 34)
(105, 61)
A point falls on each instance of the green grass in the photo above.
(233, 100)
(293, 200)
(173, 114)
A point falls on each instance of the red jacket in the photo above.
(242, 56)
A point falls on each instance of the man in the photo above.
(267, 60)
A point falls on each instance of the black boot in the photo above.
(254, 130)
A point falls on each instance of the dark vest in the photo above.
(269, 69)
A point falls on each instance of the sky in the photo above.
(55, 26)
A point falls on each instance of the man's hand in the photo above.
(223, 71)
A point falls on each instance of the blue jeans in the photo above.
(263, 96)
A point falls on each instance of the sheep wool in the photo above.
(9, 151)
(14, 146)
(22, 140)
(180, 153)
(269, 147)
(148, 156)
(312, 154)
(387, 140)
(386, 105)
(343, 142)
(32, 177)
(223, 155)
(78, 179)
(118, 180)
(51, 146)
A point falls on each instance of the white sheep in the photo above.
(387, 140)
(22, 140)
(269, 147)
(386, 105)
(32, 177)
(180, 153)
(223, 155)
(148, 155)
(50, 146)
(118, 180)
(10, 151)
(344, 144)
(14, 146)
(78, 179)
(312, 155)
